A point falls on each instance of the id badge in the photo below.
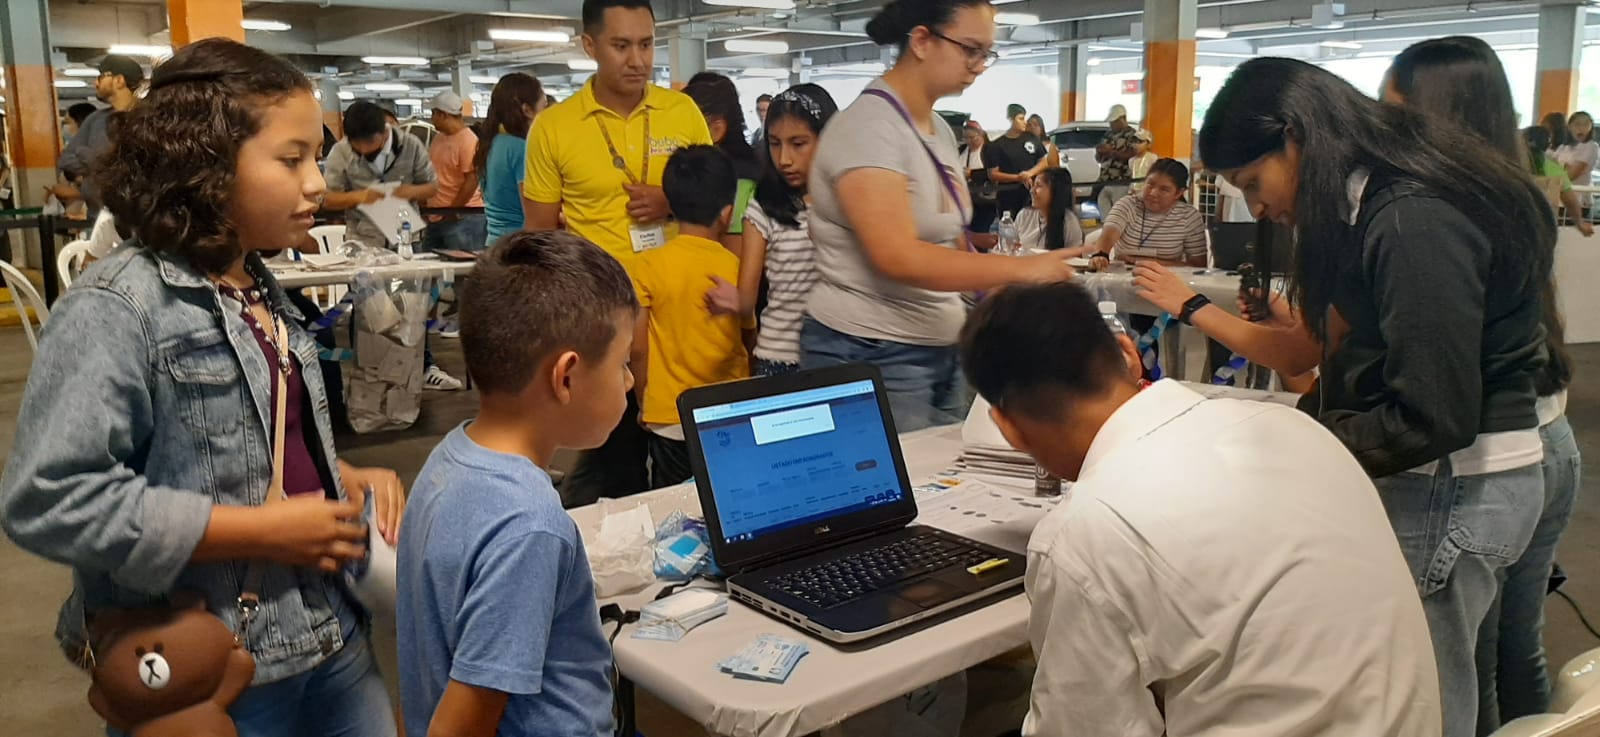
(646, 237)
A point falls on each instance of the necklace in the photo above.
(251, 295)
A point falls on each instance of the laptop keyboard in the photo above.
(852, 577)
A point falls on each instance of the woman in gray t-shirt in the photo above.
(890, 210)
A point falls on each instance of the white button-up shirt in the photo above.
(1224, 567)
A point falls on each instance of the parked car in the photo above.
(1076, 142)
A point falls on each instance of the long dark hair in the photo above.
(1556, 125)
(505, 111)
(1055, 218)
(1269, 103)
(716, 95)
(169, 174)
(1460, 79)
(810, 104)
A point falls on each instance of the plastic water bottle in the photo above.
(405, 240)
(1009, 244)
(1108, 312)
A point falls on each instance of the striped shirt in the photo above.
(791, 272)
(1178, 234)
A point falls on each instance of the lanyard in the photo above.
(944, 173)
(616, 156)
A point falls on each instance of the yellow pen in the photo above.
(987, 565)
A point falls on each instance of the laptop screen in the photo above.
(785, 460)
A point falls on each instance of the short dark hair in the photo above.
(1031, 367)
(169, 173)
(1013, 110)
(699, 182)
(533, 296)
(1172, 169)
(80, 112)
(763, 97)
(363, 120)
(594, 12)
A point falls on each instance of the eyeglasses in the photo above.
(978, 57)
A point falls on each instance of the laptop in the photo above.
(1233, 244)
(810, 513)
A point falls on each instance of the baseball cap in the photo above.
(1144, 135)
(124, 67)
(1013, 110)
(1117, 112)
(447, 102)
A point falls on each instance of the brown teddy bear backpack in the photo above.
(173, 670)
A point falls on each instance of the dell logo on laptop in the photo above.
(823, 530)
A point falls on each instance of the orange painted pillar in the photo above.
(1169, 60)
(1561, 29)
(192, 20)
(1072, 72)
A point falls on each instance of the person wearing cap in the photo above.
(1119, 146)
(453, 152)
(117, 86)
(1138, 168)
(1013, 160)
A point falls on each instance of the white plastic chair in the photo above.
(1577, 677)
(25, 298)
(331, 239)
(1581, 719)
(71, 260)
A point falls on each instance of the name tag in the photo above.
(646, 237)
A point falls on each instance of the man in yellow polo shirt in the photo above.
(597, 158)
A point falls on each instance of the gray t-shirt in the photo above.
(348, 171)
(852, 297)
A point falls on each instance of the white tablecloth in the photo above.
(1221, 287)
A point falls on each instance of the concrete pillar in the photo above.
(1072, 71)
(32, 132)
(1560, 50)
(1169, 75)
(461, 84)
(332, 109)
(686, 58)
(192, 20)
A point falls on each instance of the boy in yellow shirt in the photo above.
(678, 344)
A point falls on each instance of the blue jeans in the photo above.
(342, 697)
(1459, 534)
(924, 382)
(1511, 659)
(466, 234)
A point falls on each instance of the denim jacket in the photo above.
(149, 402)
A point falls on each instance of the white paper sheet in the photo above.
(390, 212)
(971, 506)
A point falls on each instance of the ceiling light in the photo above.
(140, 50)
(412, 101)
(1341, 45)
(399, 61)
(1210, 33)
(346, 95)
(1094, 61)
(583, 65)
(1016, 19)
(262, 24)
(513, 34)
(67, 84)
(763, 4)
(388, 87)
(755, 46)
(770, 73)
(81, 72)
(483, 79)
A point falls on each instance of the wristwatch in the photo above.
(1190, 307)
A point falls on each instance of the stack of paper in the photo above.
(671, 618)
(986, 452)
(770, 658)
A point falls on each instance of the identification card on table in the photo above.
(646, 237)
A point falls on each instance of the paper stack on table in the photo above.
(671, 618)
(986, 451)
(770, 658)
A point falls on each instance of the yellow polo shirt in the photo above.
(568, 161)
(689, 347)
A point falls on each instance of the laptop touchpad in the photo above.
(929, 593)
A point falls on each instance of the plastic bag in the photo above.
(682, 548)
(383, 384)
(623, 553)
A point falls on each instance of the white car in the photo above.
(1076, 142)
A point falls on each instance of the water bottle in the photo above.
(404, 242)
(1009, 244)
(1045, 483)
(1108, 312)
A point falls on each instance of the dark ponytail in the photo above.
(893, 24)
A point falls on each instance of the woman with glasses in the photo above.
(890, 217)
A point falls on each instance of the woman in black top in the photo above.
(1419, 265)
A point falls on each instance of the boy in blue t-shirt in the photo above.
(499, 630)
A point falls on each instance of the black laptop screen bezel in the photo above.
(740, 556)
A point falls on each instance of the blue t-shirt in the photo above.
(502, 184)
(495, 592)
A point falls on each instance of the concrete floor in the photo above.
(40, 694)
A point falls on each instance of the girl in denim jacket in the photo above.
(145, 430)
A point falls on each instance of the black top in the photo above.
(1430, 329)
(1013, 156)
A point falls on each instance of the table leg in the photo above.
(1173, 360)
(627, 716)
(47, 255)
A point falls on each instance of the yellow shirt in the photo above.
(689, 347)
(568, 161)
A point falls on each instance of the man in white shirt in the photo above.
(1222, 567)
